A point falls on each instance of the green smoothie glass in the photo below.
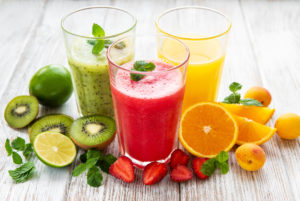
(89, 67)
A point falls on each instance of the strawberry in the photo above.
(197, 164)
(178, 157)
(154, 172)
(181, 173)
(123, 169)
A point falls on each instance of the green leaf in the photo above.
(8, 147)
(94, 177)
(18, 144)
(222, 157)
(28, 151)
(23, 173)
(232, 98)
(98, 47)
(79, 170)
(120, 45)
(92, 42)
(141, 66)
(105, 164)
(91, 162)
(98, 31)
(136, 77)
(93, 153)
(107, 43)
(250, 101)
(209, 166)
(16, 158)
(234, 87)
(224, 167)
(83, 157)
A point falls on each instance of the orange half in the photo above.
(206, 129)
(259, 114)
(253, 132)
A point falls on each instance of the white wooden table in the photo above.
(264, 49)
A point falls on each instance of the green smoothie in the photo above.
(91, 79)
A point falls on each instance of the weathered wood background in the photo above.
(264, 49)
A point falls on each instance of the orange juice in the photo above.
(204, 70)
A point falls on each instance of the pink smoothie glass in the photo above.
(147, 111)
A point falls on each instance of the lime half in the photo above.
(54, 149)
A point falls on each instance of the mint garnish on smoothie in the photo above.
(141, 66)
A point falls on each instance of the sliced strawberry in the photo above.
(123, 169)
(181, 173)
(197, 164)
(154, 172)
(178, 157)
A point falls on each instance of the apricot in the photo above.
(259, 93)
(288, 126)
(250, 156)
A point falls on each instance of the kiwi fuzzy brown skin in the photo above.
(24, 125)
(100, 147)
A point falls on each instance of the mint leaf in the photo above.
(120, 45)
(16, 158)
(250, 101)
(107, 43)
(98, 31)
(8, 147)
(94, 177)
(23, 173)
(141, 66)
(91, 162)
(98, 47)
(105, 164)
(79, 170)
(234, 87)
(222, 157)
(93, 153)
(28, 151)
(92, 42)
(224, 167)
(209, 166)
(18, 144)
(232, 98)
(83, 157)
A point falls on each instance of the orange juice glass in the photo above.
(205, 32)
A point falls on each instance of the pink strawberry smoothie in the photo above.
(147, 112)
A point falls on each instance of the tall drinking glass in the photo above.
(88, 67)
(205, 32)
(147, 109)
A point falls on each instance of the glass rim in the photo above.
(92, 7)
(191, 38)
(110, 60)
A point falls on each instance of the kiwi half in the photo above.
(21, 110)
(94, 131)
(60, 123)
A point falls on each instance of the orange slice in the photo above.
(206, 129)
(259, 114)
(253, 132)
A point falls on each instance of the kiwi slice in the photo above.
(94, 131)
(21, 110)
(60, 123)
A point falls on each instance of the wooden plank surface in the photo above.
(263, 50)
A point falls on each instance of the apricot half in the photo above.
(288, 126)
(250, 156)
(259, 93)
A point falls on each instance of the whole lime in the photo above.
(51, 85)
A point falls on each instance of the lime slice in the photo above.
(54, 149)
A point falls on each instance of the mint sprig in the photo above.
(22, 173)
(98, 44)
(92, 161)
(220, 161)
(235, 96)
(141, 66)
